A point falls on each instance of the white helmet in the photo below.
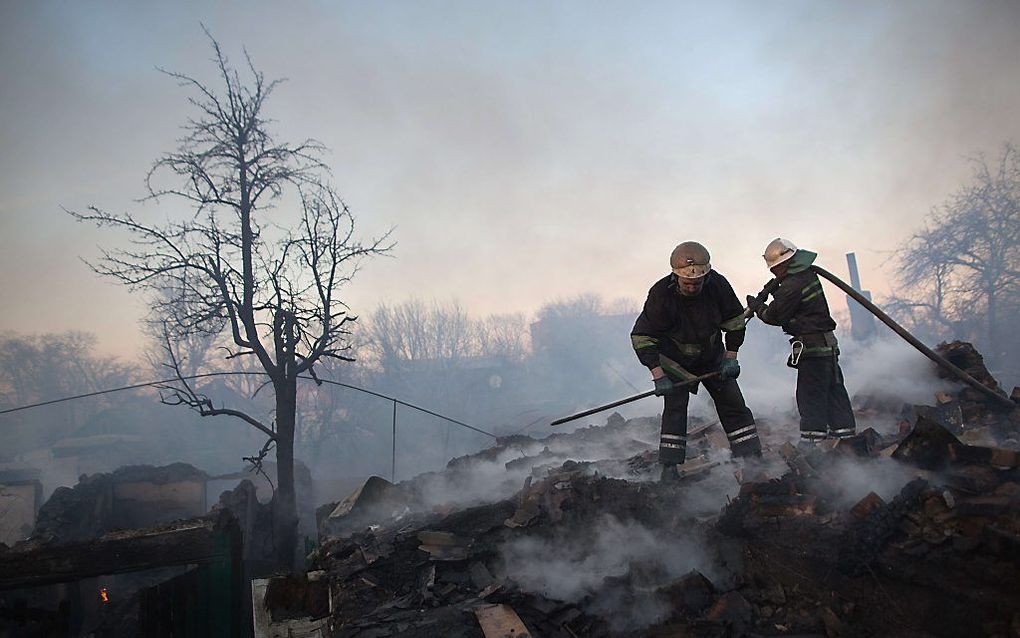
(778, 251)
(690, 260)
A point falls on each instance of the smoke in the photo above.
(477, 481)
(495, 477)
(885, 374)
(625, 451)
(851, 479)
(613, 566)
(890, 369)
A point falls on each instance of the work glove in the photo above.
(664, 386)
(754, 305)
(729, 369)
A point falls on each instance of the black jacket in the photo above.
(688, 329)
(799, 305)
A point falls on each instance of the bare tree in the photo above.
(588, 304)
(503, 336)
(965, 263)
(417, 332)
(234, 265)
(324, 407)
(932, 306)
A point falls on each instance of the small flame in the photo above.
(103, 595)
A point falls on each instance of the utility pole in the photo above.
(862, 323)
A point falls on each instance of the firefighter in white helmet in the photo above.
(679, 335)
(799, 306)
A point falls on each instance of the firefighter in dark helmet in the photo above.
(678, 336)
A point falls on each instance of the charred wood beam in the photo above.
(198, 541)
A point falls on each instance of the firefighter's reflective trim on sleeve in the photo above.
(674, 369)
(673, 437)
(734, 324)
(843, 433)
(810, 291)
(672, 446)
(643, 342)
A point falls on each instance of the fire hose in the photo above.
(941, 361)
(999, 398)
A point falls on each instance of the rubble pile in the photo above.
(913, 532)
(124, 581)
(910, 529)
(976, 408)
(427, 574)
(98, 536)
(964, 356)
(131, 497)
(939, 558)
(496, 473)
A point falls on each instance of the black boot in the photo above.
(669, 473)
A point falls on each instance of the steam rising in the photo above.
(890, 368)
(486, 480)
(573, 566)
(853, 478)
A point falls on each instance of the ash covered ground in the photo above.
(912, 528)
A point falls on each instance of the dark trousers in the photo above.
(734, 415)
(822, 400)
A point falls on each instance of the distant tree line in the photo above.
(483, 370)
(37, 368)
(501, 372)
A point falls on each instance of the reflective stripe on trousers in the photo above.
(742, 434)
(673, 441)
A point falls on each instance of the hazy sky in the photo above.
(525, 151)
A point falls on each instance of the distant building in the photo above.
(21, 494)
